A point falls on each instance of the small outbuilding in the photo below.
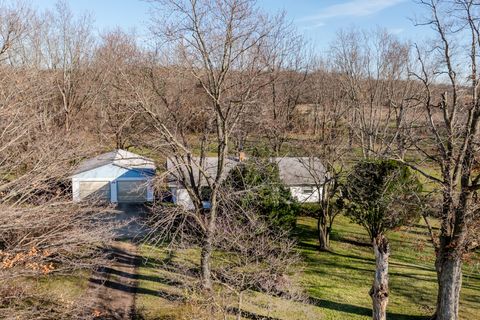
(118, 176)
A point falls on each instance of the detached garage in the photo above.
(119, 176)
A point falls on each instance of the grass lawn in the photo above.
(48, 294)
(64, 288)
(340, 280)
(337, 282)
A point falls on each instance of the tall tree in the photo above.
(286, 56)
(329, 143)
(217, 45)
(373, 69)
(451, 108)
(68, 44)
(381, 195)
(119, 58)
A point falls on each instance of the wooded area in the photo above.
(394, 123)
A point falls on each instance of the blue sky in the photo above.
(318, 20)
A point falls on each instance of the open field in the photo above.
(336, 282)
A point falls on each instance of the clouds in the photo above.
(351, 8)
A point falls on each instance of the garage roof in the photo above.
(119, 157)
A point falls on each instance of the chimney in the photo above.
(241, 156)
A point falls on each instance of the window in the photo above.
(307, 190)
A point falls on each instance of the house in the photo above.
(302, 175)
(118, 176)
(178, 178)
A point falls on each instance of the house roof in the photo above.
(294, 171)
(119, 157)
(209, 166)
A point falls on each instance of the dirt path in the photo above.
(114, 286)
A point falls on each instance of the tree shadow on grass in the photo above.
(421, 226)
(165, 295)
(248, 314)
(133, 289)
(361, 311)
(350, 256)
(155, 278)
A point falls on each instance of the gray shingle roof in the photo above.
(297, 171)
(119, 157)
(209, 166)
(294, 171)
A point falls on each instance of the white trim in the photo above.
(92, 179)
(113, 191)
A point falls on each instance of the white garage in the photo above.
(119, 176)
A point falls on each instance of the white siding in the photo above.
(305, 193)
(181, 197)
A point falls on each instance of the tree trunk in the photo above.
(449, 277)
(323, 233)
(379, 290)
(205, 263)
(323, 239)
(240, 301)
(207, 244)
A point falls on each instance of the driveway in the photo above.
(114, 285)
(131, 219)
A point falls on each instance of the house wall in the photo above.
(181, 197)
(111, 173)
(300, 194)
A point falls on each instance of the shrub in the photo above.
(257, 181)
(309, 209)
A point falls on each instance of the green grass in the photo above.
(341, 279)
(68, 288)
(336, 282)
(53, 292)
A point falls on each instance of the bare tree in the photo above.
(118, 57)
(373, 68)
(41, 232)
(288, 61)
(14, 28)
(254, 255)
(217, 45)
(257, 258)
(452, 114)
(67, 45)
(329, 144)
